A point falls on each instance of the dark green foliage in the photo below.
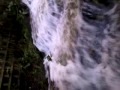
(15, 18)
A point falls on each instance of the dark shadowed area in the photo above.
(21, 64)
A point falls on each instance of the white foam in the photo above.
(59, 36)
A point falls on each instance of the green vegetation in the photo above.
(16, 18)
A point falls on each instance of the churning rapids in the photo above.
(81, 40)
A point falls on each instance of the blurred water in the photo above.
(81, 40)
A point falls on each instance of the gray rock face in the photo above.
(81, 39)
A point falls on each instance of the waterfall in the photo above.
(81, 40)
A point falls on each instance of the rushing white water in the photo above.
(82, 53)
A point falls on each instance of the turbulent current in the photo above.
(81, 40)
